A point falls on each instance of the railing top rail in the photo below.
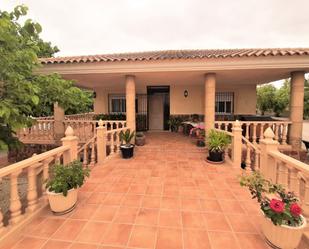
(87, 143)
(290, 161)
(32, 160)
(226, 132)
(115, 130)
(256, 122)
(251, 145)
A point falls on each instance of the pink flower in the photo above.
(295, 209)
(277, 206)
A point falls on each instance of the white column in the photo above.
(210, 95)
(296, 109)
(130, 101)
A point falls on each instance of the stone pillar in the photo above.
(72, 141)
(268, 167)
(130, 102)
(58, 122)
(237, 144)
(210, 95)
(101, 142)
(296, 109)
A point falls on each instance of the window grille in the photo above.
(224, 103)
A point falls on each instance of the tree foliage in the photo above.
(271, 99)
(23, 93)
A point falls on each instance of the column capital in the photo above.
(209, 75)
(130, 76)
(297, 72)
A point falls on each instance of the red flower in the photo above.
(295, 209)
(277, 206)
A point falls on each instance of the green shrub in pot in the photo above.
(217, 141)
(62, 187)
(126, 147)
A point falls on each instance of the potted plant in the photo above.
(126, 147)
(283, 223)
(62, 187)
(174, 123)
(140, 139)
(217, 141)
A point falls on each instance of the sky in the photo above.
(80, 27)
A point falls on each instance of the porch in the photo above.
(167, 196)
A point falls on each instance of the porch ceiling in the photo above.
(228, 77)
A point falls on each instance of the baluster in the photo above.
(254, 133)
(112, 142)
(284, 132)
(276, 127)
(262, 131)
(92, 158)
(32, 194)
(257, 161)
(248, 159)
(85, 157)
(247, 130)
(283, 174)
(225, 126)
(305, 205)
(15, 204)
(57, 158)
(294, 181)
(84, 131)
(45, 174)
(1, 221)
(118, 141)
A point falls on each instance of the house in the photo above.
(212, 83)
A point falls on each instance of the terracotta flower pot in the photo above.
(284, 237)
(61, 204)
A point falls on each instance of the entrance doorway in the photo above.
(158, 107)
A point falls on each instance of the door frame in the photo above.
(165, 90)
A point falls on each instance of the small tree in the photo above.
(282, 97)
(265, 98)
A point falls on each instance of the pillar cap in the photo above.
(101, 123)
(269, 134)
(69, 132)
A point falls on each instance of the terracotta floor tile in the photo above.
(151, 202)
(84, 212)
(143, 237)
(118, 235)
(113, 199)
(216, 222)
(105, 213)
(132, 200)
(171, 191)
(48, 227)
(191, 204)
(126, 215)
(192, 220)
(92, 232)
(209, 194)
(154, 190)
(106, 187)
(83, 246)
(96, 198)
(170, 218)
(241, 223)
(169, 238)
(210, 205)
(222, 240)
(29, 242)
(110, 247)
(88, 187)
(251, 241)
(170, 203)
(28, 230)
(147, 216)
(231, 207)
(196, 239)
(69, 230)
(56, 244)
(138, 189)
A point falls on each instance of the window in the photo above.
(224, 103)
(117, 104)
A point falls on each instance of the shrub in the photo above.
(275, 202)
(67, 177)
(217, 141)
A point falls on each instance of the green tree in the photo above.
(265, 98)
(306, 100)
(282, 97)
(23, 93)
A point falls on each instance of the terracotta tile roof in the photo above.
(178, 54)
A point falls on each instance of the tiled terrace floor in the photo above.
(166, 197)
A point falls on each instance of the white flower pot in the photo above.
(284, 237)
(61, 204)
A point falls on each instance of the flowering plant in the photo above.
(199, 130)
(276, 203)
